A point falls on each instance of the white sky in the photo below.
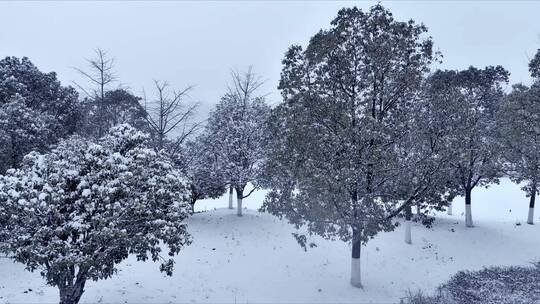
(197, 43)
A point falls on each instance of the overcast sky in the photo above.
(198, 43)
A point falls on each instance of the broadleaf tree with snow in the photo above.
(78, 211)
(105, 106)
(119, 107)
(344, 160)
(534, 66)
(200, 165)
(423, 161)
(236, 130)
(35, 110)
(471, 97)
(519, 135)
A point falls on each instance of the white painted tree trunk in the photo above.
(408, 239)
(468, 216)
(468, 213)
(530, 218)
(239, 205)
(356, 279)
(449, 209)
(230, 198)
(408, 219)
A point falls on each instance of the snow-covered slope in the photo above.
(255, 259)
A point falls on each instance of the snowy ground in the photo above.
(255, 259)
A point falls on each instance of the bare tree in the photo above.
(100, 74)
(244, 84)
(169, 113)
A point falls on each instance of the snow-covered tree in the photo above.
(236, 130)
(35, 110)
(471, 98)
(199, 162)
(343, 159)
(119, 107)
(422, 153)
(22, 129)
(534, 65)
(75, 213)
(519, 127)
(105, 106)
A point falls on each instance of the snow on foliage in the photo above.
(493, 285)
(236, 131)
(78, 211)
(119, 107)
(471, 98)
(35, 110)
(200, 165)
(347, 153)
(534, 65)
(519, 136)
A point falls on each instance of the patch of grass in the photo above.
(494, 285)
(419, 297)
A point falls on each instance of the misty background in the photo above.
(198, 43)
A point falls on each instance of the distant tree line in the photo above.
(367, 131)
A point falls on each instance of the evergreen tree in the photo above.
(119, 107)
(534, 65)
(519, 134)
(199, 162)
(422, 153)
(344, 158)
(471, 98)
(35, 110)
(78, 211)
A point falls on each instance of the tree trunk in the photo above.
(408, 215)
(239, 197)
(468, 214)
(72, 294)
(356, 279)
(449, 209)
(530, 219)
(230, 197)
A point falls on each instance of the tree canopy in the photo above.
(76, 212)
